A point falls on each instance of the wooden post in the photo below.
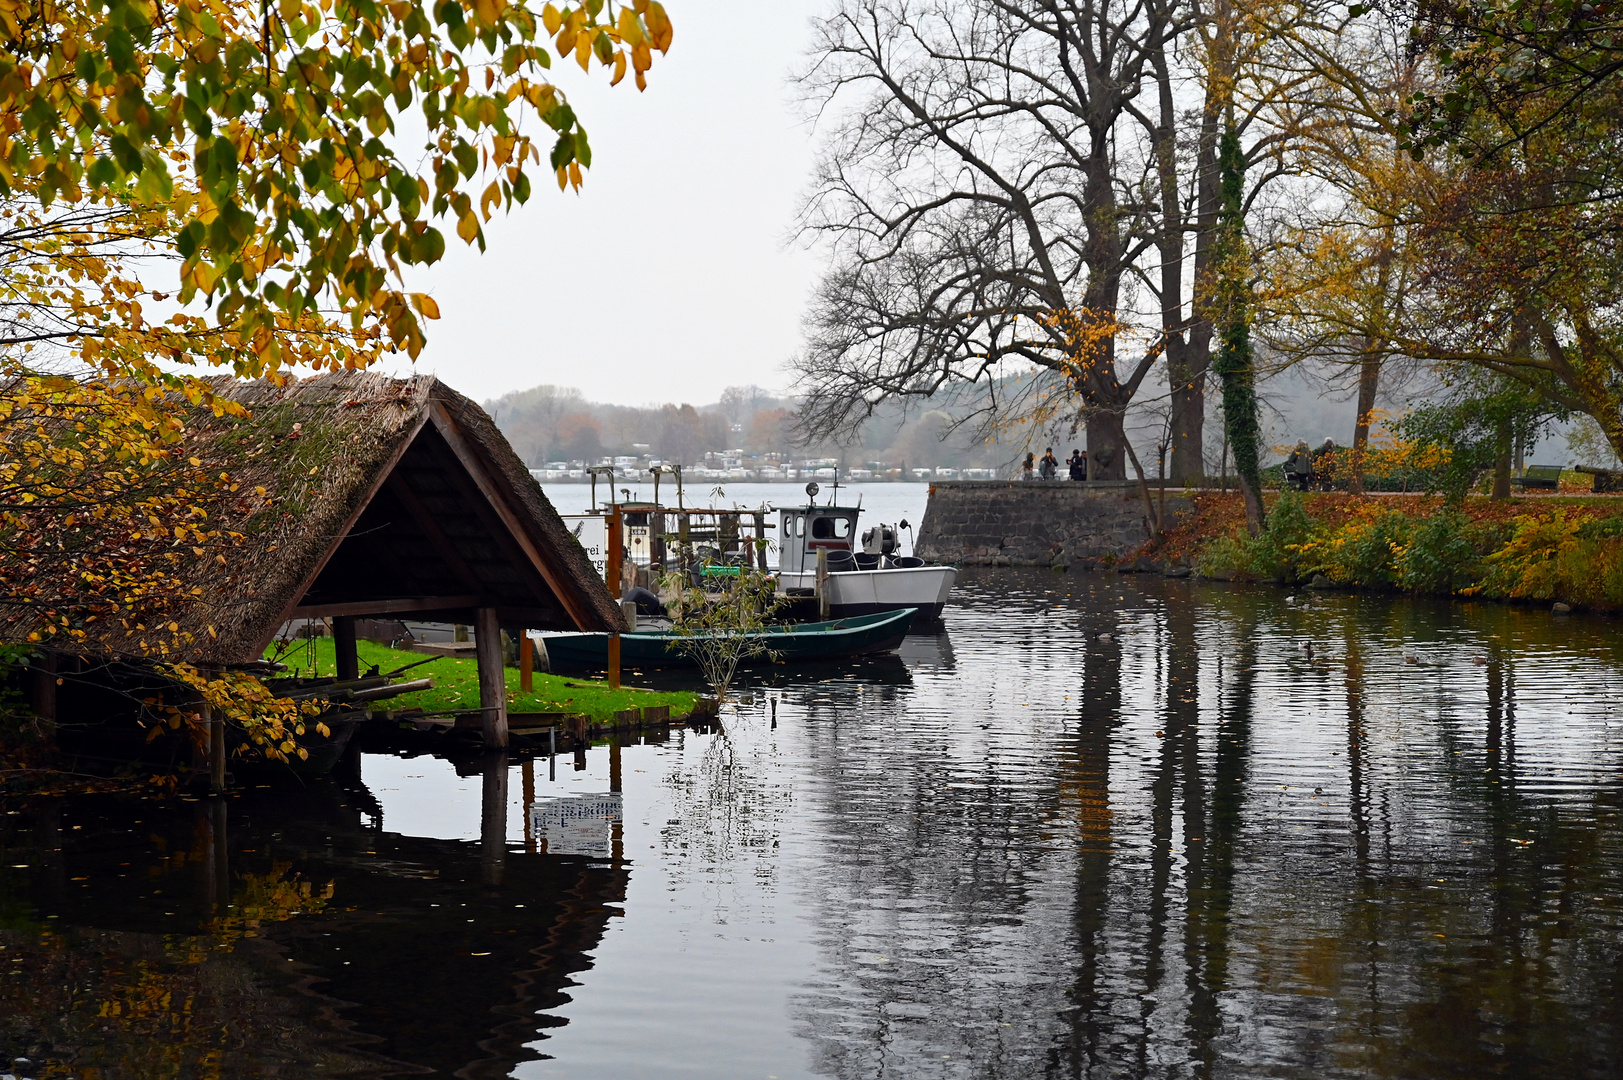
(529, 801)
(487, 646)
(822, 584)
(526, 663)
(216, 729)
(615, 555)
(614, 571)
(343, 640)
(760, 542)
(42, 685)
(493, 817)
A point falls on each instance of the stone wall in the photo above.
(1035, 522)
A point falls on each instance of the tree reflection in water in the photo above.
(1117, 826)
(1231, 857)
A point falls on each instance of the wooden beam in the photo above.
(487, 647)
(386, 607)
(564, 589)
(343, 640)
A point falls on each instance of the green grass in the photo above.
(456, 684)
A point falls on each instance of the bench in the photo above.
(1539, 478)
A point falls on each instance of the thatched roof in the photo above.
(380, 496)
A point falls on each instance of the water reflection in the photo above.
(291, 937)
(1115, 826)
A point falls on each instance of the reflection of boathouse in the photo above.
(407, 956)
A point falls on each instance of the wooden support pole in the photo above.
(493, 818)
(822, 584)
(42, 686)
(526, 663)
(216, 728)
(492, 678)
(615, 554)
(529, 802)
(614, 571)
(343, 640)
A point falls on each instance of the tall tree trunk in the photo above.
(1186, 367)
(1235, 362)
(1369, 381)
(1106, 461)
(1502, 463)
(1188, 379)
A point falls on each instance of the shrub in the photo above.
(1226, 557)
(1280, 550)
(1440, 556)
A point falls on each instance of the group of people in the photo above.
(1048, 467)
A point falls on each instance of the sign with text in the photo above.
(576, 824)
(592, 530)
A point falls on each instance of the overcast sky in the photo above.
(672, 274)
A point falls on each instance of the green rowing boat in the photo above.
(789, 643)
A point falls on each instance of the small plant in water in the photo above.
(718, 621)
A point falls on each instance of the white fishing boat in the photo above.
(864, 574)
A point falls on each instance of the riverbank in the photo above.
(1556, 548)
(456, 685)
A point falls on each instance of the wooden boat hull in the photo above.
(800, 642)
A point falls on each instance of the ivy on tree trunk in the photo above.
(1235, 360)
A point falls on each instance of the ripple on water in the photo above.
(1105, 825)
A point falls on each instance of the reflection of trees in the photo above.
(727, 808)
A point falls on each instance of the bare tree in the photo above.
(972, 194)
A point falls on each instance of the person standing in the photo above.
(1025, 469)
(1050, 464)
(1078, 464)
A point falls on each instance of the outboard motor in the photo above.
(879, 540)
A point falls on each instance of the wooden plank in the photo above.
(526, 663)
(385, 607)
(562, 587)
(492, 678)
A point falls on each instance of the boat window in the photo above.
(827, 528)
(800, 526)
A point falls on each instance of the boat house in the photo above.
(354, 495)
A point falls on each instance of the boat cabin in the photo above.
(805, 529)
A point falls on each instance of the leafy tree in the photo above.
(1479, 425)
(236, 160)
(249, 142)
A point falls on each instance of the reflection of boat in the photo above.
(927, 650)
(856, 636)
(859, 581)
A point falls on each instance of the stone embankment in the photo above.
(1036, 522)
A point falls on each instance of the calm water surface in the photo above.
(1185, 848)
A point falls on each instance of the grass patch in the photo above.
(456, 685)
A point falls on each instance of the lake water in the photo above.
(1103, 826)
